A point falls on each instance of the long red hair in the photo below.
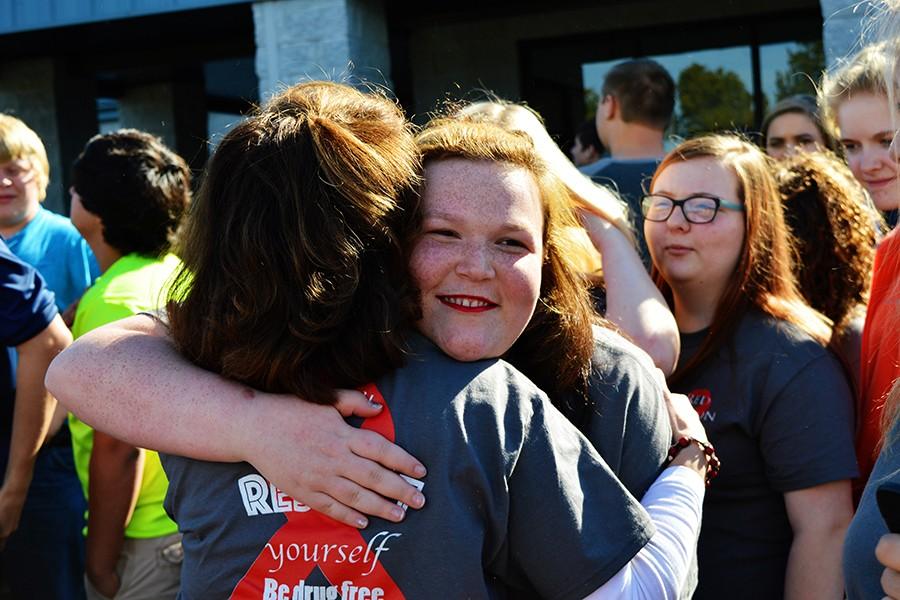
(763, 277)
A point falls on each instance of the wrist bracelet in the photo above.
(709, 453)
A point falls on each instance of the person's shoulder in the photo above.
(782, 346)
(887, 255)
(133, 281)
(613, 349)
(595, 167)
(757, 326)
(490, 380)
(55, 224)
(650, 162)
(891, 241)
(58, 231)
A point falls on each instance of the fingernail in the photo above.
(397, 513)
(419, 471)
(374, 403)
(418, 500)
(362, 522)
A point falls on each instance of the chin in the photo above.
(464, 351)
(886, 202)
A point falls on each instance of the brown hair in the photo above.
(138, 187)
(556, 347)
(827, 211)
(582, 191)
(293, 278)
(644, 90)
(806, 105)
(764, 275)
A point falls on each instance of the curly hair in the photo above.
(827, 211)
(556, 347)
(138, 187)
(294, 279)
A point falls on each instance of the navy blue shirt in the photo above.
(628, 178)
(26, 308)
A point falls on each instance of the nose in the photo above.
(871, 161)
(475, 262)
(677, 220)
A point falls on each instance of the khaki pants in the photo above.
(149, 569)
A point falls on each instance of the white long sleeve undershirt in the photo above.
(660, 569)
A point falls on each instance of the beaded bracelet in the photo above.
(712, 461)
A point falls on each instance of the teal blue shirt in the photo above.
(52, 245)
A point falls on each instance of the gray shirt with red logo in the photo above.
(778, 409)
(517, 500)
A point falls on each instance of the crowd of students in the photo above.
(604, 390)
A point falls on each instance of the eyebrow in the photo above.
(692, 194)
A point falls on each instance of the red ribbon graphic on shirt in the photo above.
(701, 399)
(310, 539)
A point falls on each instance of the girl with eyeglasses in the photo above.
(774, 400)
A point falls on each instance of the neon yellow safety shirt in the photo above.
(132, 284)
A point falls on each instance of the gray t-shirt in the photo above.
(778, 409)
(627, 421)
(517, 500)
(862, 572)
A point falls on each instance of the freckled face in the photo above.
(19, 194)
(478, 259)
(791, 132)
(867, 130)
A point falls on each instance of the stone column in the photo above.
(175, 110)
(57, 101)
(320, 39)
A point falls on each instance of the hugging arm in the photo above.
(660, 569)
(633, 303)
(128, 380)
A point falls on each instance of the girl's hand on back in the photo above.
(315, 457)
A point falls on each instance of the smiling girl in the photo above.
(857, 105)
(519, 502)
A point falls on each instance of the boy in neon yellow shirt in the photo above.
(128, 196)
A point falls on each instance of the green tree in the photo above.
(712, 100)
(805, 66)
(591, 101)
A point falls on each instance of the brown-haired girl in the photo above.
(519, 501)
(754, 362)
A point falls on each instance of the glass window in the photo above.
(790, 68)
(108, 115)
(714, 93)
